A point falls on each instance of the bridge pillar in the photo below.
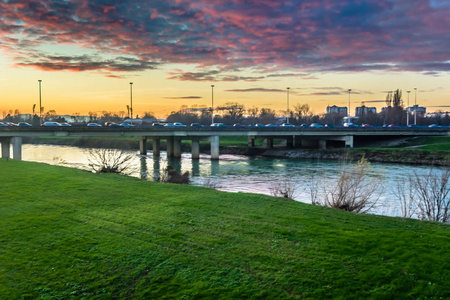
(322, 144)
(176, 147)
(251, 141)
(297, 142)
(349, 141)
(17, 147)
(195, 148)
(6, 147)
(169, 143)
(290, 142)
(143, 145)
(269, 142)
(214, 147)
(156, 147)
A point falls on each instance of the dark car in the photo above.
(157, 125)
(196, 125)
(24, 124)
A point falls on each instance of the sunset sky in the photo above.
(87, 52)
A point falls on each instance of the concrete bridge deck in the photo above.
(295, 137)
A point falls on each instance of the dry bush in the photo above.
(405, 195)
(211, 183)
(354, 189)
(286, 188)
(110, 161)
(172, 176)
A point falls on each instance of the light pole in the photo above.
(40, 103)
(415, 106)
(407, 110)
(287, 118)
(349, 90)
(212, 104)
(131, 101)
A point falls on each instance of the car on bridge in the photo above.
(23, 124)
(3, 124)
(51, 124)
(288, 125)
(196, 125)
(218, 125)
(93, 125)
(315, 125)
(126, 125)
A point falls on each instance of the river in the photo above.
(235, 173)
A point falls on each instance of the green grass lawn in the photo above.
(71, 234)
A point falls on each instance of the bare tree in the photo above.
(354, 189)
(433, 193)
(110, 161)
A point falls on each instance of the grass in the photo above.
(71, 234)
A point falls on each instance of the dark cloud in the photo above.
(307, 36)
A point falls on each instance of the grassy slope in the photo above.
(67, 233)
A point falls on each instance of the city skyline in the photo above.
(87, 53)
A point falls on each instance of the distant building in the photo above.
(364, 110)
(421, 111)
(337, 110)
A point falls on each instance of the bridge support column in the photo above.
(290, 142)
(156, 147)
(143, 145)
(349, 141)
(177, 147)
(214, 147)
(17, 147)
(297, 142)
(169, 143)
(6, 147)
(322, 144)
(269, 142)
(251, 141)
(195, 148)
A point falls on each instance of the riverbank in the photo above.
(68, 233)
(399, 156)
(416, 151)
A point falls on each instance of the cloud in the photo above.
(185, 97)
(308, 36)
(257, 90)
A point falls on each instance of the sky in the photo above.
(87, 52)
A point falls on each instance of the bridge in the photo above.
(295, 137)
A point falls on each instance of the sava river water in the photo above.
(235, 173)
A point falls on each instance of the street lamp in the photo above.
(40, 103)
(407, 110)
(415, 106)
(287, 118)
(131, 101)
(212, 104)
(349, 90)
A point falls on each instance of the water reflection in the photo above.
(235, 173)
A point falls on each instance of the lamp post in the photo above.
(407, 110)
(212, 104)
(415, 106)
(349, 90)
(131, 101)
(287, 118)
(40, 103)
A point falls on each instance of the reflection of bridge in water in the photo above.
(321, 138)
